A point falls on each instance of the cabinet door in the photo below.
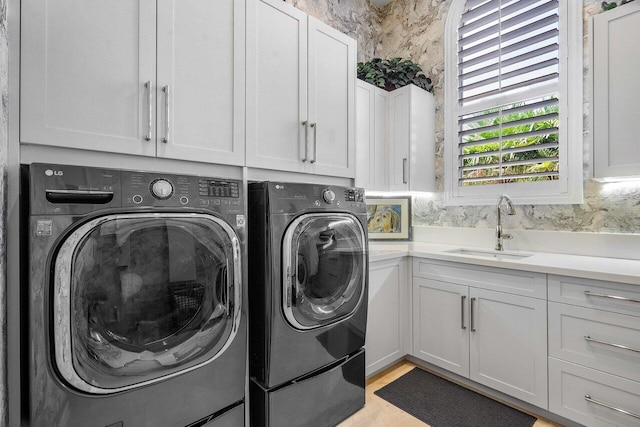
(508, 339)
(83, 71)
(591, 397)
(381, 175)
(399, 137)
(441, 324)
(276, 86)
(616, 89)
(386, 323)
(332, 80)
(200, 90)
(365, 135)
(371, 137)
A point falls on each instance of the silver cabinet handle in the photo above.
(606, 405)
(473, 325)
(624, 347)
(616, 297)
(306, 141)
(147, 88)
(404, 171)
(462, 298)
(314, 126)
(165, 89)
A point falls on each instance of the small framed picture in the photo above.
(389, 218)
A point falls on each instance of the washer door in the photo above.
(324, 269)
(138, 298)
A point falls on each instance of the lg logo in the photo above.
(49, 172)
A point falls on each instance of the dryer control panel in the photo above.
(298, 197)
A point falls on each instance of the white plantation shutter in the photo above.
(508, 92)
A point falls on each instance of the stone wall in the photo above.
(356, 18)
(415, 30)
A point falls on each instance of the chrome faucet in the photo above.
(511, 211)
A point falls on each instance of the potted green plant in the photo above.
(393, 73)
(611, 5)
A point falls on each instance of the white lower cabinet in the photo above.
(387, 322)
(491, 325)
(497, 339)
(594, 349)
(592, 397)
(598, 339)
(440, 313)
(508, 344)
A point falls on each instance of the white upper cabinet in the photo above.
(332, 88)
(201, 63)
(83, 73)
(616, 90)
(411, 140)
(91, 77)
(371, 137)
(301, 92)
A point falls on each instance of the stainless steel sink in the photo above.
(488, 254)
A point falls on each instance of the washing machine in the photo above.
(134, 292)
(308, 303)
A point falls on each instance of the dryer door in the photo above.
(138, 298)
(324, 269)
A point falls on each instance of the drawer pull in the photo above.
(606, 405)
(624, 347)
(591, 294)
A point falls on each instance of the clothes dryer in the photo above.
(308, 303)
(135, 298)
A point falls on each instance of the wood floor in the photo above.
(377, 412)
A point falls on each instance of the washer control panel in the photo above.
(77, 190)
(156, 189)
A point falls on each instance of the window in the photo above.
(508, 94)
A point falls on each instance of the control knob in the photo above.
(328, 196)
(161, 189)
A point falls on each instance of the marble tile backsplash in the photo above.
(415, 30)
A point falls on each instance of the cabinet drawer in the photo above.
(598, 339)
(570, 387)
(497, 279)
(611, 296)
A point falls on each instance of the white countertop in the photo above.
(599, 268)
